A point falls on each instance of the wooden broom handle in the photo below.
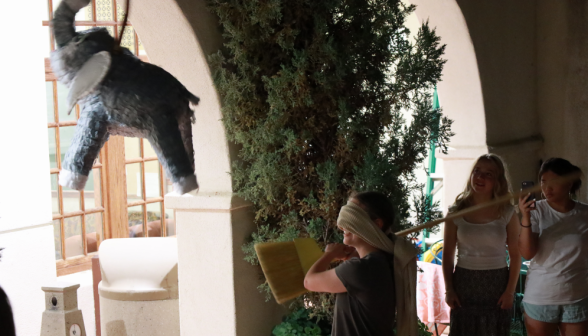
(494, 202)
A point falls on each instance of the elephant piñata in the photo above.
(120, 95)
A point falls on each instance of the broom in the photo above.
(285, 264)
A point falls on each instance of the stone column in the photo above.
(62, 316)
(218, 289)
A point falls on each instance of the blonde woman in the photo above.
(480, 288)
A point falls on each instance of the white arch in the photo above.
(460, 92)
(181, 48)
(216, 286)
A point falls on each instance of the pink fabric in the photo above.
(431, 306)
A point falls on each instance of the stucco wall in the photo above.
(504, 37)
(562, 67)
(178, 36)
(28, 261)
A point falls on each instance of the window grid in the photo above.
(102, 184)
(142, 160)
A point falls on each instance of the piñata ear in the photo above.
(88, 78)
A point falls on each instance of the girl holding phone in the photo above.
(555, 238)
(480, 290)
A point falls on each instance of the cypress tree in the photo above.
(316, 95)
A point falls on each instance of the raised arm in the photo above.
(322, 279)
(449, 246)
(528, 240)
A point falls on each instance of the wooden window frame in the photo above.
(112, 167)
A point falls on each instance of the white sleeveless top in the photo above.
(482, 246)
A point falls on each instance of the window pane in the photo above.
(110, 29)
(94, 231)
(132, 148)
(72, 229)
(148, 150)
(71, 200)
(62, 91)
(85, 14)
(55, 4)
(134, 182)
(154, 219)
(104, 11)
(167, 184)
(152, 179)
(93, 190)
(120, 10)
(47, 35)
(66, 135)
(136, 221)
(128, 40)
(170, 222)
(54, 194)
(80, 28)
(46, 11)
(52, 148)
(50, 102)
(142, 51)
(57, 238)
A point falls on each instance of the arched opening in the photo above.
(460, 93)
(217, 287)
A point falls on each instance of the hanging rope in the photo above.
(117, 44)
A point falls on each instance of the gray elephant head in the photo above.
(120, 95)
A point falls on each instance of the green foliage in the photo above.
(298, 323)
(323, 98)
(423, 330)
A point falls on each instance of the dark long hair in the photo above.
(563, 167)
(377, 205)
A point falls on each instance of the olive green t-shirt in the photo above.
(369, 306)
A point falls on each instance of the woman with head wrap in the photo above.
(376, 283)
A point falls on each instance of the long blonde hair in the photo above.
(501, 187)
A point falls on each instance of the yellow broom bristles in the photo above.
(282, 269)
(285, 264)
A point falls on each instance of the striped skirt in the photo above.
(479, 292)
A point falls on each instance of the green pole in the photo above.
(432, 165)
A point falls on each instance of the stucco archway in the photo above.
(460, 92)
(217, 287)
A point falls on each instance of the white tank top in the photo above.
(482, 246)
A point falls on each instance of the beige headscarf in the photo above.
(354, 219)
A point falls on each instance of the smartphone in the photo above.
(527, 185)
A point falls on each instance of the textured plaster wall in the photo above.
(28, 261)
(504, 37)
(218, 294)
(27, 264)
(178, 36)
(562, 55)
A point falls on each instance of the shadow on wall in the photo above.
(115, 328)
